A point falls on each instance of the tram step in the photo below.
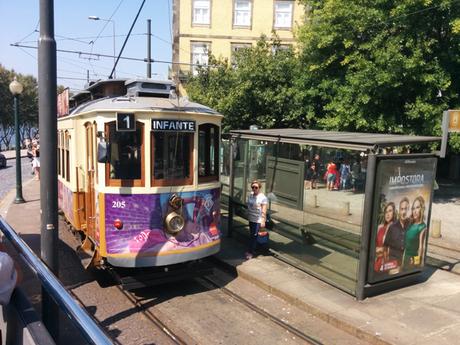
(136, 278)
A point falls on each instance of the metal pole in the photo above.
(47, 109)
(149, 49)
(19, 199)
(114, 50)
(231, 188)
(366, 227)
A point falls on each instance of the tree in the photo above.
(28, 106)
(381, 65)
(258, 88)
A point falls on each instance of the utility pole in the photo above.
(47, 111)
(149, 49)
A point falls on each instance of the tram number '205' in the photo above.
(118, 203)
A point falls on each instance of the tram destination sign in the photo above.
(173, 125)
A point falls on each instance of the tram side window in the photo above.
(62, 155)
(125, 155)
(208, 152)
(59, 153)
(67, 156)
(172, 158)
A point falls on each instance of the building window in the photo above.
(242, 15)
(201, 12)
(208, 153)
(283, 14)
(172, 157)
(200, 56)
(280, 47)
(126, 167)
(236, 47)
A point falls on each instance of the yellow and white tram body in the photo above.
(139, 174)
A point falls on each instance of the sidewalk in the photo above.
(426, 313)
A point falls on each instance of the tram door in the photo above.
(90, 197)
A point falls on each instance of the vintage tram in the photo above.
(138, 174)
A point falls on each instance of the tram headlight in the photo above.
(118, 224)
(174, 223)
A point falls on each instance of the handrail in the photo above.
(81, 319)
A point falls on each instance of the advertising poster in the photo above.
(400, 216)
(143, 217)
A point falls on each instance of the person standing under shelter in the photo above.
(257, 215)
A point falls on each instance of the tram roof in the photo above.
(142, 103)
(347, 140)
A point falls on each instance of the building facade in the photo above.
(221, 27)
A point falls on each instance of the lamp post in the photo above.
(113, 33)
(16, 89)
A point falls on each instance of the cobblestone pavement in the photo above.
(8, 175)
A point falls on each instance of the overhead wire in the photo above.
(66, 38)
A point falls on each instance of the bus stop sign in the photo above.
(450, 123)
(454, 120)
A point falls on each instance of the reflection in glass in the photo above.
(125, 153)
(317, 229)
(171, 155)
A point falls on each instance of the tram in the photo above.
(138, 174)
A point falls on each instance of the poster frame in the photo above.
(367, 287)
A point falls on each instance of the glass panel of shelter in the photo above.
(316, 227)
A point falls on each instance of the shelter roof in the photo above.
(348, 140)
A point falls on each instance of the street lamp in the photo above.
(113, 33)
(16, 89)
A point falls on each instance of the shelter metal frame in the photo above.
(373, 144)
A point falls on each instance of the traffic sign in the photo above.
(454, 120)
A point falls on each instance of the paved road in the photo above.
(8, 175)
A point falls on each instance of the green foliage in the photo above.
(258, 89)
(28, 105)
(380, 65)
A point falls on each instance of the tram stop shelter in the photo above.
(367, 231)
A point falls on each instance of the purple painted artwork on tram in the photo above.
(65, 201)
(143, 216)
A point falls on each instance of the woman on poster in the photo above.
(415, 235)
(389, 216)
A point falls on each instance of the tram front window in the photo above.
(172, 157)
(125, 154)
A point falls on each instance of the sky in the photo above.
(19, 23)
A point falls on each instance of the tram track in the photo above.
(137, 303)
(214, 309)
(212, 284)
(443, 256)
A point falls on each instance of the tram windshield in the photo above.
(172, 157)
(125, 153)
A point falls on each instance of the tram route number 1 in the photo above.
(126, 122)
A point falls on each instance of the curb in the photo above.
(355, 331)
(324, 316)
